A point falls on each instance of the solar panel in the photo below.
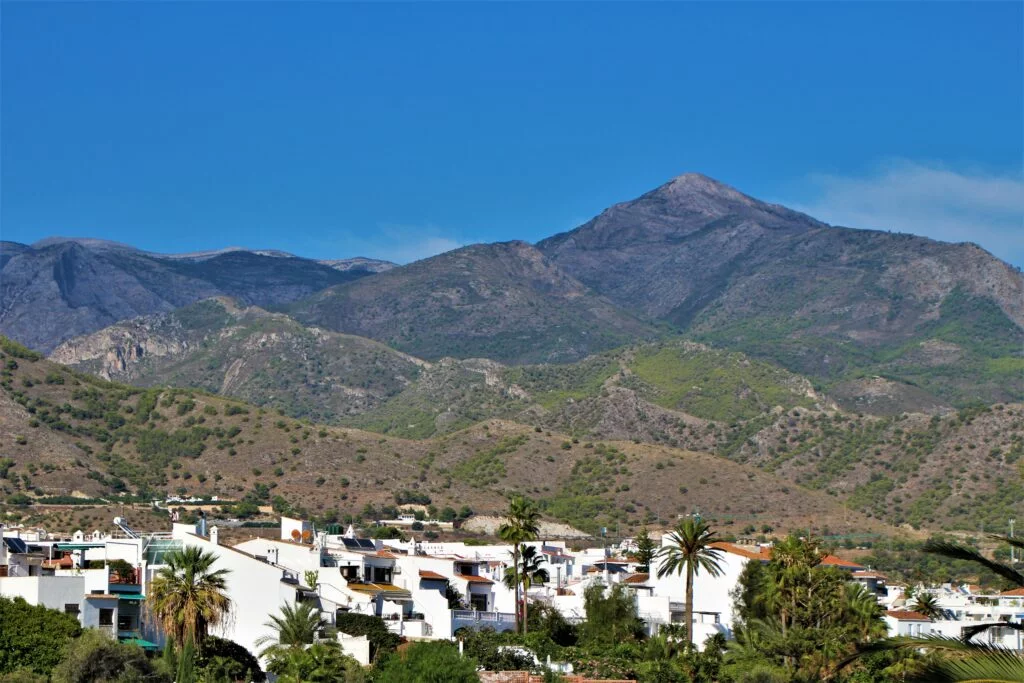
(16, 545)
(366, 544)
(350, 543)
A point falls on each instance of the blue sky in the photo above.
(397, 131)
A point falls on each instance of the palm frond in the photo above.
(1015, 541)
(957, 651)
(959, 552)
(968, 632)
(993, 666)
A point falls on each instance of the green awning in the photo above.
(78, 546)
(144, 644)
(135, 597)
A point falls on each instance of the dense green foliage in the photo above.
(96, 657)
(322, 662)
(714, 384)
(33, 637)
(382, 640)
(221, 659)
(799, 618)
(427, 662)
(611, 617)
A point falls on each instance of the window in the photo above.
(71, 608)
(124, 623)
(478, 601)
(106, 616)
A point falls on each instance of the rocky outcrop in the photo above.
(114, 353)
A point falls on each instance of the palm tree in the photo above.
(530, 571)
(927, 604)
(187, 596)
(865, 613)
(321, 662)
(961, 660)
(521, 524)
(296, 627)
(689, 550)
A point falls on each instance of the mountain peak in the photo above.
(693, 185)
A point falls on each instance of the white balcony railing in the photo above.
(499, 621)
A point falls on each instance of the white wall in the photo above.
(710, 594)
(49, 591)
(254, 587)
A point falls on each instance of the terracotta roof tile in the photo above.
(474, 579)
(833, 561)
(906, 615)
(432, 576)
(1016, 592)
(637, 578)
(741, 551)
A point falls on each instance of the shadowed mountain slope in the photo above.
(63, 288)
(501, 301)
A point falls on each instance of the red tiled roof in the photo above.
(1016, 592)
(66, 562)
(742, 551)
(833, 561)
(474, 579)
(906, 615)
(637, 578)
(433, 576)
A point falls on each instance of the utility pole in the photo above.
(1012, 560)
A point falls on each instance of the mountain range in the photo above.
(692, 257)
(884, 369)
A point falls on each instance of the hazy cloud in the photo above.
(926, 199)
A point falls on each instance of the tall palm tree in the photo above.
(187, 596)
(689, 550)
(522, 523)
(530, 571)
(296, 627)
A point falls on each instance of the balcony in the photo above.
(476, 620)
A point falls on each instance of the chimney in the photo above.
(213, 536)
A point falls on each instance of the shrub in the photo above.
(33, 637)
(382, 641)
(428, 662)
(96, 656)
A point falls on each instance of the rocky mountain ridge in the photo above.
(84, 285)
(877, 321)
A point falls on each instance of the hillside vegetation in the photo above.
(64, 433)
(250, 354)
(826, 302)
